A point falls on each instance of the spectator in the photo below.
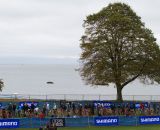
(32, 107)
(14, 107)
(41, 115)
(10, 110)
(4, 114)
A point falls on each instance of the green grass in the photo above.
(146, 127)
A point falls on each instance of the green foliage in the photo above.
(118, 48)
(1, 84)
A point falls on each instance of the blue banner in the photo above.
(145, 104)
(102, 104)
(106, 121)
(143, 120)
(28, 103)
(9, 123)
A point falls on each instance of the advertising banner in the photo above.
(60, 122)
(138, 105)
(106, 121)
(103, 104)
(28, 103)
(144, 120)
(9, 123)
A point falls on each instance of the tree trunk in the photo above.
(119, 94)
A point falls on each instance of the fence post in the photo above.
(137, 120)
(82, 96)
(46, 97)
(150, 97)
(88, 122)
(64, 96)
(29, 97)
(40, 122)
(99, 97)
(31, 123)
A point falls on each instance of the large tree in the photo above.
(117, 48)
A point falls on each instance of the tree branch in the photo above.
(130, 80)
(136, 76)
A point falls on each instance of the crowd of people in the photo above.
(70, 109)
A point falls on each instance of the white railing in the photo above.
(80, 97)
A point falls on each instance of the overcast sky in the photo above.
(38, 31)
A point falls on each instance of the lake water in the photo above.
(31, 79)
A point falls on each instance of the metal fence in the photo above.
(79, 97)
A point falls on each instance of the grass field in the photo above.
(146, 127)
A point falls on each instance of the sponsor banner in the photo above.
(28, 103)
(138, 105)
(143, 120)
(106, 121)
(60, 122)
(103, 104)
(109, 104)
(9, 123)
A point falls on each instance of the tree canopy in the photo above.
(117, 48)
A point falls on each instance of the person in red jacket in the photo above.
(41, 115)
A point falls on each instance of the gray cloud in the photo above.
(52, 28)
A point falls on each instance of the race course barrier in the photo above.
(80, 121)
